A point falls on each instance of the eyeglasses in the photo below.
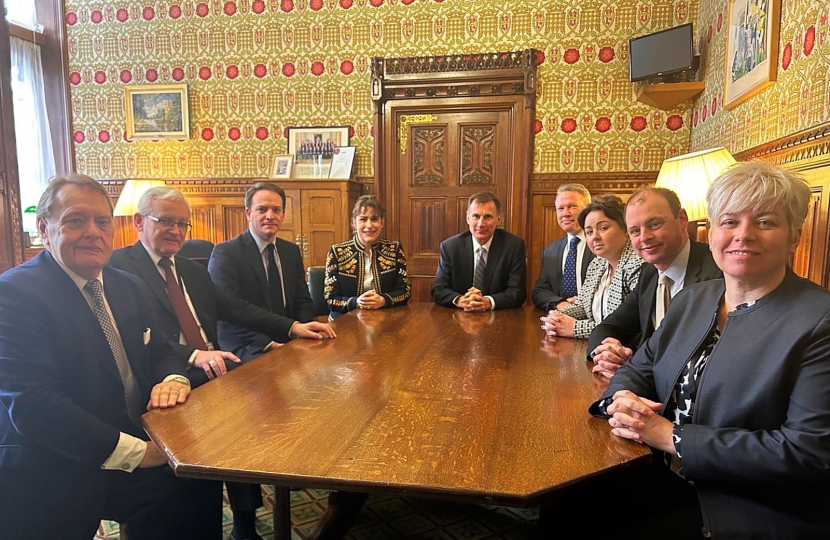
(168, 223)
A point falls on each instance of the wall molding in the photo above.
(806, 149)
(613, 182)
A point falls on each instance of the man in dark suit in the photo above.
(80, 359)
(551, 291)
(240, 266)
(483, 268)
(188, 306)
(657, 227)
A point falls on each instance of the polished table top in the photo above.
(420, 399)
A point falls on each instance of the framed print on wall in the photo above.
(751, 49)
(282, 166)
(313, 148)
(157, 111)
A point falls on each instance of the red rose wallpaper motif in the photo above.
(260, 71)
(202, 10)
(571, 56)
(78, 136)
(286, 5)
(175, 11)
(674, 122)
(262, 133)
(638, 123)
(787, 56)
(316, 5)
(540, 58)
(178, 74)
(809, 40)
(376, 3)
(234, 133)
(121, 15)
(288, 69)
(317, 68)
(229, 9)
(232, 72)
(351, 131)
(204, 73)
(345, 4)
(104, 136)
(537, 126)
(606, 54)
(126, 76)
(568, 125)
(258, 6)
(100, 77)
(602, 124)
(148, 13)
(207, 134)
(152, 75)
(96, 16)
(346, 67)
(71, 18)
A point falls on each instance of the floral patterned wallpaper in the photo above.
(800, 98)
(255, 67)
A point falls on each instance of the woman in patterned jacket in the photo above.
(366, 271)
(610, 276)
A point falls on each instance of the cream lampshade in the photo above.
(127, 204)
(690, 175)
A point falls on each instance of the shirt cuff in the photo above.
(455, 300)
(492, 303)
(127, 455)
(178, 378)
(192, 358)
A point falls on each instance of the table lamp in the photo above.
(690, 175)
(132, 191)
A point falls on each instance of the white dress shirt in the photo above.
(262, 246)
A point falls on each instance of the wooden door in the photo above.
(322, 218)
(291, 228)
(459, 152)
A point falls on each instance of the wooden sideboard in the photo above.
(317, 212)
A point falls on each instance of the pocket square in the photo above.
(146, 336)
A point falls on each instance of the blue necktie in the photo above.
(569, 276)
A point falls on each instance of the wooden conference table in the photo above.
(421, 399)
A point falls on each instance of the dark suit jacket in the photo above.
(504, 277)
(548, 289)
(632, 323)
(236, 266)
(211, 303)
(62, 398)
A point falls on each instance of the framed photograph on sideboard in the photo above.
(313, 149)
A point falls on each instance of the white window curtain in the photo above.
(23, 13)
(35, 159)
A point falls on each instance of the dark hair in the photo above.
(47, 200)
(483, 197)
(368, 201)
(607, 203)
(667, 194)
(259, 186)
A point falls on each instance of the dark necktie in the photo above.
(131, 393)
(569, 275)
(275, 282)
(481, 265)
(187, 322)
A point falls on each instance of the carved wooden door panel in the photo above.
(445, 157)
(322, 219)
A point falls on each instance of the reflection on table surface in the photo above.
(422, 399)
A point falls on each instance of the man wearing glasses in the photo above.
(188, 305)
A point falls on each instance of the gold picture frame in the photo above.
(313, 148)
(157, 111)
(282, 166)
(752, 28)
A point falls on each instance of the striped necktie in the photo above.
(481, 265)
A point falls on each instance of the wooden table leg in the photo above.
(282, 513)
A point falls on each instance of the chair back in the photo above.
(197, 250)
(316, 282)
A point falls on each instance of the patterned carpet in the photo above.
(386, 517)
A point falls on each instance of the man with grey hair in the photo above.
(566, 259)
(188, 304)
(80, 359)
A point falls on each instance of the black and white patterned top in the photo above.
(624, 280)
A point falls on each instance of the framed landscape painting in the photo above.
(751, 49)
(157, 111)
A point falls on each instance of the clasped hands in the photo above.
(609, 356)
(636, 418)
(473, 300)
(370, 300)
(558, 324)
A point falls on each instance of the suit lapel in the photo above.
(124, 317)
(254, 257)
(467, 268)
(287, 278)
(694, 264)
(493, 257)
(147, 271)
(650, 294)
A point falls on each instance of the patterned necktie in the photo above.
(131, 393)
(569, 275)
(481, 265)
(275, 282)
(663, 299)
(187, 322)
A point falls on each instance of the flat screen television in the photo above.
(662, 53)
